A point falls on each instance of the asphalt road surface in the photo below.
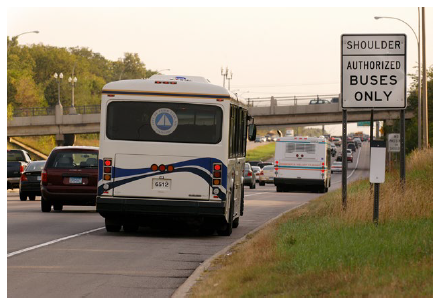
(70, 254)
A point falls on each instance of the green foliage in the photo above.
(30, 70)
(411, 126)
(261, 153)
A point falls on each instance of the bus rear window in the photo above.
(164, 122)
(304, 148)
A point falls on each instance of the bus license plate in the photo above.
(75, 180)
(161, 184)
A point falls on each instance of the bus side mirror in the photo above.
(251, 132)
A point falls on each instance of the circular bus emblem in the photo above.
(164, 121)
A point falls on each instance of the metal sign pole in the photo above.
(345, 162)
(371, 139)
(402, 150)
(376, 202)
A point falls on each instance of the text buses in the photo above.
(171, 146)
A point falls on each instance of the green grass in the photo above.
(319, 250)
(261, 153)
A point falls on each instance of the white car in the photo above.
(337, 166)
(266, 175)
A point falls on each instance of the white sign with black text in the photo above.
(394, 142)
(373, 71)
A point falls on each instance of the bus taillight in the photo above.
(107, 168)
(217, 173)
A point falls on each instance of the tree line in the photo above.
(31, 69)
(411, 127)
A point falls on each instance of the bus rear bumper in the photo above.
(298, 182)
(118, 207)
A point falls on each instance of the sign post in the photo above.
(373, 76)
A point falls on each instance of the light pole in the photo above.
(419, 76)
(72, 84)
(14, 38)
(58, 79)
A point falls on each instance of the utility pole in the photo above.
(424, 80)
(224, 74)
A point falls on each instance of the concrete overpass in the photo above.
(64, 126)
(27, 122)
(316, 115)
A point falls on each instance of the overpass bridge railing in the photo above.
(42, 111)
(301, 100)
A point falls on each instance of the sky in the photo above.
(271, 51)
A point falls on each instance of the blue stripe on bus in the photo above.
(206, 163)
(303, 167)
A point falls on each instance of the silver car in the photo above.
(266, 175)
(256, 170)
(249, 176)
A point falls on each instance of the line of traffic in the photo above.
(356, 166)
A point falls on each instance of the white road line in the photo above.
(356, 166)
(52, 242)
(257, 194)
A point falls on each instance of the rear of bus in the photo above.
(163, 151)
(302, 163)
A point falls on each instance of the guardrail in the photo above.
(23, 112)
(41, 111)
(301, 100)
(86, 109)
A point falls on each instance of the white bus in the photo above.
(302, 161)
(171, 146)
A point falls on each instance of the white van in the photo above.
(302, 161)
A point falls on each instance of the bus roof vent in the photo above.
(164, 77)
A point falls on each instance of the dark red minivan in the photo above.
(69, 177)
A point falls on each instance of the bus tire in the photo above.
(227, 227)
(130, 227)
(112, 226)
(235, 223)
(279, 189)
(241, 210)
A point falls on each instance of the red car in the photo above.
(69, 177)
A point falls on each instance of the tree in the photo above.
(411, 127)
(30, 71)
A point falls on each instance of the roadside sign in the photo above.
(394, 142)
(377, 162)
(361, 124)
(374, 72)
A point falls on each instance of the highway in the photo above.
(70, 254)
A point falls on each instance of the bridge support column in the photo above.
(65, 139)
(273, 104)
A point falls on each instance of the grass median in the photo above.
(261, 153)
(319, 250)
